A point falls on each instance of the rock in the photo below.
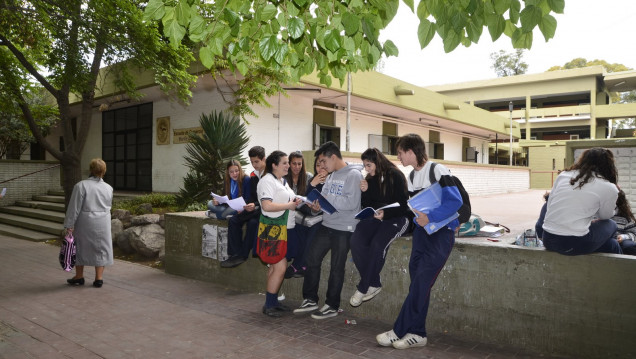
(116, 227)
(145, 219)
(144, 208)
(147, 240)
(162, 221)
(162, 254)
(119, 214)
(123, 241)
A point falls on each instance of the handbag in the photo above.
(68, 252)
(307, 220)
(271, 241)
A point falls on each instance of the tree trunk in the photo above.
(71, 172)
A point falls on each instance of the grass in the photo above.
(161, 203)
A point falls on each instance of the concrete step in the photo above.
(59, 207)
(23, 233)
(53, 216)
(39, 225)
(56, 192)
(47, 198)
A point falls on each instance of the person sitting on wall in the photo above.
(239, 248)
(237, 185)
(626, 225)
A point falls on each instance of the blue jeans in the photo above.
(601, 238)
(327, 239)
(221, 211)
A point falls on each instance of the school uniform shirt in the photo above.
(451, 198)
(277, 191)
(571, 209)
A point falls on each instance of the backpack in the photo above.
(464, 211)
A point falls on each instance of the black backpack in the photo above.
(465, 210)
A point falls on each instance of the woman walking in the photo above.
(88, 219)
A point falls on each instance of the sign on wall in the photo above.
(163, 130)
(182, 135)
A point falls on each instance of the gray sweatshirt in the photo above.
(342, 190)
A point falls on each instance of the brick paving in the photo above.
(141, 312)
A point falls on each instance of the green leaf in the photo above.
(268, 12)
(196, 27)
(548, 26)
(510, 29)
(378, 4)
(356, 4)
(368, 28)
(183, 12)
(268, 47)
(501, 6)
(351, 23)
(522, 40)
(451, 41)
(515, 8)
(175, 32)
(530, 18)
(206, 56)
(300, 3)
(216, 45)
(296, 27)
(154, 10)
(557, 5)
(474, 30)
(390, 49)
(425, 32)
(230, 16)
(281, 53)
(422, 11)
(349, 44)
(332, 40)
(242, 68)
(496, 26)
(409, 3)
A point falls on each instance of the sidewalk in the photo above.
(142, 312)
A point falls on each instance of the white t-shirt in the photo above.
(278, 191)
(571, 209)
(421, 178)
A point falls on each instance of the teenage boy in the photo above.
(429, 252)
(239, 248)
(342, 190)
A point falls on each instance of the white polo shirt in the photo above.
(278, 191)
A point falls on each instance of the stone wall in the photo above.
(24, 188)
(492, 293)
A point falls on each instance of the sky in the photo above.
(590, 29)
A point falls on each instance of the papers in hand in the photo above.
(4, 191)
(236, 204)
(370, 212)
(324, 204)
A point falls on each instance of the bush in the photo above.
(160, 203)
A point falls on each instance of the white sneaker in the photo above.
(410, 341)
(387, 338)
(356, 299)
(372, 292)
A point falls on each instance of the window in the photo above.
(385, 143)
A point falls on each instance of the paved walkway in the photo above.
(144, 313)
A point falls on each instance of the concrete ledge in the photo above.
(493, 293)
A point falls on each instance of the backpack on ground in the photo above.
(465, 210)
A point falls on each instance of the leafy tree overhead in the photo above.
(508, 64)
(62, 44)
(299, 37)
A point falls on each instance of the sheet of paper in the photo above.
(237, 204)
(220, 199)
(4, 191)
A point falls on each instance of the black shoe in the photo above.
(272, 312)
(282, 308)
(73, 281)
(232, 262)
(98, 283)
(290, 272)
(300, 273)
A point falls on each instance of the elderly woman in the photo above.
(88, 219)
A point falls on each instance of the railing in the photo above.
(28, 174)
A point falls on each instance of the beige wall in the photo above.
(541, 161)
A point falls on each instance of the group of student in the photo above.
(274, 187)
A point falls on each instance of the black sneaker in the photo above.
(307, 305)
(300, 272)
(325, 312)
(290, 272)
(232, 262)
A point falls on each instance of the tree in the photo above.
(62, 44)
(297, 37)
(616, 97)
(508, 64)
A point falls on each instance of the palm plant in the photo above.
(224, 138)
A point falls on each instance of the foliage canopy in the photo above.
(508, 64)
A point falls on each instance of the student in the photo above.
(429, 252)
(384, 184)
(239, 248)
(581, 203)
(237, 184)
(626, 225)
(276, 197)
(342, 190)
(298, 179)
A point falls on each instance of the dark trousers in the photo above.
(236, 244)
(326, 240)
(369, 245)
(601, 238)
(298, 249)
(428, 256)
(538, 228)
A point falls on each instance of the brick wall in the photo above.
(25, 187)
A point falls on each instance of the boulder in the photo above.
(147, 240)
(144, 208)
(162, 254)
(123, 241)
(119, 214)
(145, 219)
(162, 221)
(116, 227)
